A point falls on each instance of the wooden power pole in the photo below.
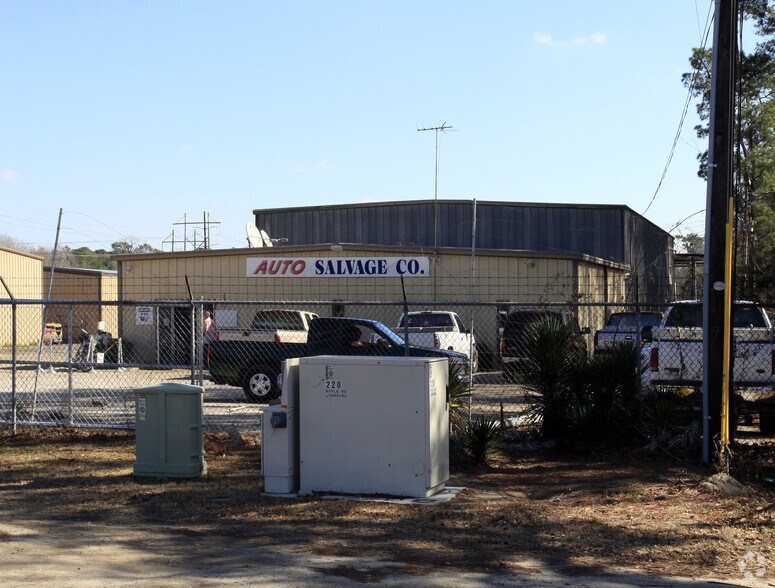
(717, 291)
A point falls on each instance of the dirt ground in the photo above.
(580, 514)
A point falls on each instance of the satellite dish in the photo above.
(265, 238)
(254, 236)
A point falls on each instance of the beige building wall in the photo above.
(221, 276)
(99, 288)
(22, 274)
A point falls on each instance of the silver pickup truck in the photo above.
(676, 354)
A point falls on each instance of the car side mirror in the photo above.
(646, 335)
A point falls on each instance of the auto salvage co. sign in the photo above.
(337, 267)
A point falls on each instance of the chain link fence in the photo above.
(81, 365)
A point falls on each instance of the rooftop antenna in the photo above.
(443, 127)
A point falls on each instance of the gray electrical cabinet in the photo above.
(280, 436)
(168, 431)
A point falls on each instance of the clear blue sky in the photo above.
(130, 115)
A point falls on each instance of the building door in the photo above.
(175, 335)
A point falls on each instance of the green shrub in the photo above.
(610, 396)
(550, 374)
(669, 420)
(460, 391)
(481, 439)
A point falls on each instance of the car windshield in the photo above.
(690, 315)
(385, 331)
(629, 320)
(429, 320)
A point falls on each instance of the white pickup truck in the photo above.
(438, 329)
(280, 325)
(676, 354)
(624, 327)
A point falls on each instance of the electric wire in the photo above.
(687, 102)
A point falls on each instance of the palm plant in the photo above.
(481, 439)
(460, 391)
(668, 420)
(549, 375)
(610, 394)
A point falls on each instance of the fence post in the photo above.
(70, 399)
(13, 354)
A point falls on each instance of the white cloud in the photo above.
(542, 38)
(11, 176)
(577, 41)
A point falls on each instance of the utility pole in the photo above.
(717, 288)
(443, 127)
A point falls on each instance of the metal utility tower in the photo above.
(197, 241)
(443, 127)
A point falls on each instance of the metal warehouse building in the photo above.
(521, 253)
(608, 232)
(100, 286)
(21, 275)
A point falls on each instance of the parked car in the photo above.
(438, 329)
(256, 365)
(515, 327)
(624, 327)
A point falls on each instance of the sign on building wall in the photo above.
(337, 267)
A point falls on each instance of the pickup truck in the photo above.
(676, 354)
(256, 365)
(624, 327)
(438, 329)
(281, 325)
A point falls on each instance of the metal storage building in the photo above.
(22, 274)
(610, 232)
(70, 283)
(224, 276)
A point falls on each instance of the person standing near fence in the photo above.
(210, 334)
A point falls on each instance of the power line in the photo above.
(687, 102)
(680, 222)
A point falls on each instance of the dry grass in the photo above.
(582, 514)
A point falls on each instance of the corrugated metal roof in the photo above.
(598, 230)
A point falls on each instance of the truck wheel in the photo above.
(767, 422)
(260, 384)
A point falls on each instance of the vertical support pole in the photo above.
(720, 182)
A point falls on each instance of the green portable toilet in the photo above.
(168, 431)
